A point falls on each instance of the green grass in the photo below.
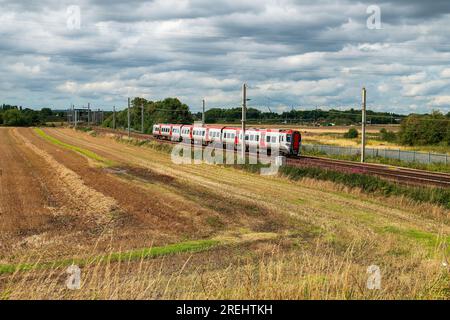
(429, 239)
(84, 152)
(145, 253)
(368, 184)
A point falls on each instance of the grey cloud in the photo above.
(300, 52)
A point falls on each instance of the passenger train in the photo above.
(288, 141)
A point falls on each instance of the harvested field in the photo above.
(143, 227)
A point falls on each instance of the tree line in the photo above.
(318, 116)
(18, 116)
(415, 129)
(169, 110)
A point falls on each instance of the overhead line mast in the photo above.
(244, 115)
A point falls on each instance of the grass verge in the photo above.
(429, 239)
(368, 184)
(84, 152)
(145, 253)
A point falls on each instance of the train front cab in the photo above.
(296, 142)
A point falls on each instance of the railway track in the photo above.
(399, 174)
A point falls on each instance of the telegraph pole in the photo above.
(89, 113)
(203, 112)
(142, 117)
(244, 116)
(114, 117)
(363, 131)
(73, 115)
(128, 116)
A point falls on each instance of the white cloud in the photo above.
(23, 69)
(425, 88)
(440, 101)
(445, 73)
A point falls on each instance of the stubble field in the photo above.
(142, 227)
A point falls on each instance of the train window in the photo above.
(246, 137)
(274, 139)
(288, 138)
(252, 137)
(257, 138)
(232, 136)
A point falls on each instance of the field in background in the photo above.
(334, 136)
(141, 227)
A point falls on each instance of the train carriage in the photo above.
(288, 142)
(176, 132)
(186, 132)
(199, 134)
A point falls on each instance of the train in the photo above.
(288, 141)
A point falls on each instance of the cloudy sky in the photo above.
(298, 54)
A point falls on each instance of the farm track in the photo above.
(399, 174)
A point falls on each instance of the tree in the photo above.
(13, 117)
(424, 129)
(170, 110)
(46, 113)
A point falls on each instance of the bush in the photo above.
(386, 135)
(351, 134)
(424, 130)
